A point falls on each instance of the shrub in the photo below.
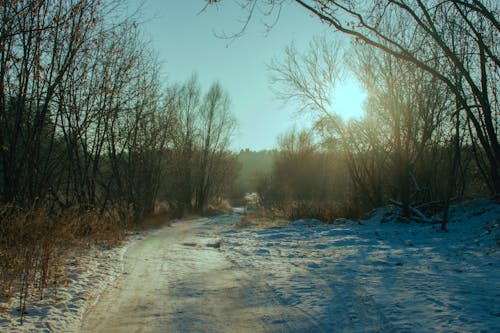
(323, 211)
(33, 244)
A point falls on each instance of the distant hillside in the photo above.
(252, 164)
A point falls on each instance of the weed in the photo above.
(323, 211)
(34, 243)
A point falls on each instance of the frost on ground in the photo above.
(86, 275)
(207, 275)
(373, 277)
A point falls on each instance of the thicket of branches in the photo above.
(90, 140)
(202, 170)
(432, 72)
(410, 147)
(85, 121)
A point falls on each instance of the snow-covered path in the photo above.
(213, 275)
(178, 280)
(206, 275)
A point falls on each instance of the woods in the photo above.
(430, 128)
(85, 120)
(452, 41)
(92, 141)
(412, 145)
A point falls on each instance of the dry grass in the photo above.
(154, 221)
(33, 245)
(263, 218)
(283, 214)
(221, 207)
(323, 211)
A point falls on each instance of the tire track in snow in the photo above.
(292, 267)
(178, 280)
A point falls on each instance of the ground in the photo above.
(179, 280)
(373, 275)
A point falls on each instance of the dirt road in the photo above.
(179, 280)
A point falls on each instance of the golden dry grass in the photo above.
(282, 215)
(323, 211)
(33, 245)
(263, 218)
(220, 207)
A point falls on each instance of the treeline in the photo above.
(431, 70)
(302, 171)
(85, 121)
(253, 166)
(91, 140)
(413, 146)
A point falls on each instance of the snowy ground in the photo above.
(87, 274)
(206, 275)
(389, 277)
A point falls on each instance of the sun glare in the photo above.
(348, 99)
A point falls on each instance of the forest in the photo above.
(91, 140)
(429, 134)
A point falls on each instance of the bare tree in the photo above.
(413, 105)
(79, 96)
(308, 79)
(184, 101)
(217, 127)
(202, 168)
(38, 43)
(426, 34)
(408, 115)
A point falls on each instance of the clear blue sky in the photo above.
(186, 42)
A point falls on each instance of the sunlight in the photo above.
(348, 99)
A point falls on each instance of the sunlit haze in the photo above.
(188, 40)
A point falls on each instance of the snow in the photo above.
(374, 275)
(88, 272)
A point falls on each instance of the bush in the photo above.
(33, 244)
(323, 211)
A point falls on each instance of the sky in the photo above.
(188, 40)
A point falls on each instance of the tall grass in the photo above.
(33, 245)
(281, 214)
(323, 211)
